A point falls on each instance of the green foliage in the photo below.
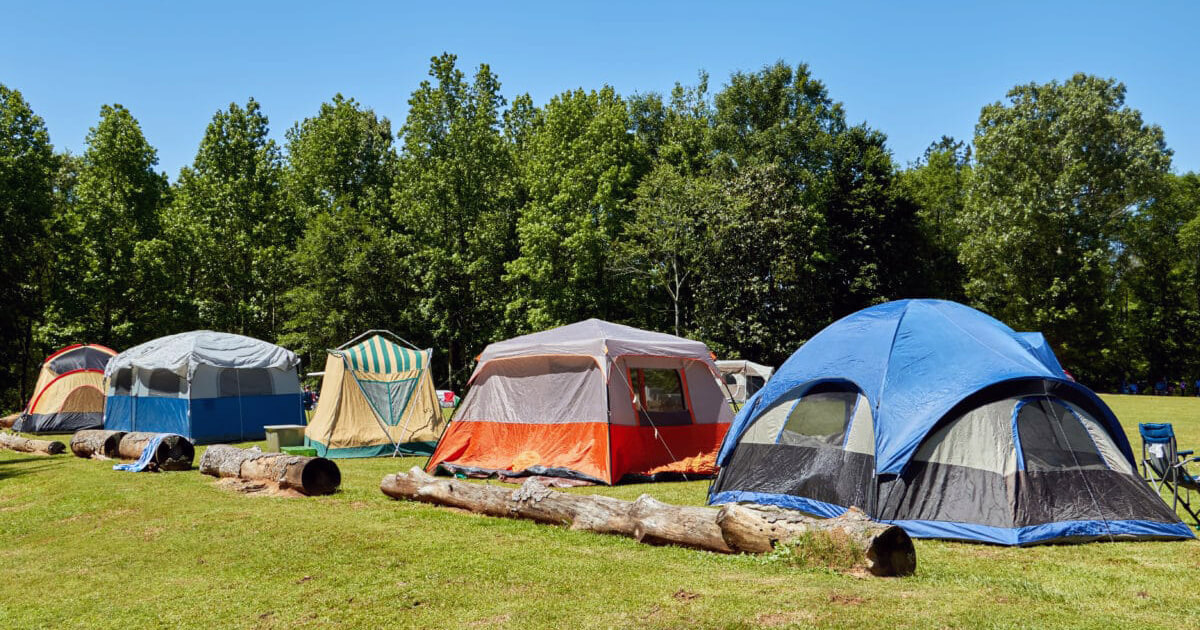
(454, 205)
(1059, 168)
(338, 181)
(104, 287)
(27, 175)
(818, 549)
(749, 217)
(233, 231)
(938, 185)
(579, 166)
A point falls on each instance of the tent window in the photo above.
(658, 397)
(246, 382)
(1053, 439)
(730, 379)
(122, 382)
(820, 417)
(164, 382)
(753, 384)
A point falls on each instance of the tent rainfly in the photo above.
(940, 419)
(377, 398)
(742, 379)
(593, 401)
(69, 393)
(206, 386)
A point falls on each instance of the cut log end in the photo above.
(320, 476)
(892, 554)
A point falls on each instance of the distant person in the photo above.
(1197, 387)
(308, 399)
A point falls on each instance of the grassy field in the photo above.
(84, 546)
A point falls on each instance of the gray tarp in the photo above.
(601, 340)
(181, 353)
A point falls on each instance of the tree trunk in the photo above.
(95, 443)
(887, 549)
(175, 452)
(308, 475)
(15, 442)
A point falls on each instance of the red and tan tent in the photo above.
(594, 401)
(69, 394)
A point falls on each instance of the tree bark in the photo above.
(96, 443)
(25, 445)
(175, 452)
(308, 475)
(887, 549)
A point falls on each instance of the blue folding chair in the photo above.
(1163, 464)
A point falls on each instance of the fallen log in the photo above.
(175, 452)
(96, 443)
(307, 475)
(887, 550)
(25, 445)
(8, 421)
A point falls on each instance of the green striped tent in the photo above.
(377, 398)
(382, 356)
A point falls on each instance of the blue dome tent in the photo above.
(206, 386)
(941, 419)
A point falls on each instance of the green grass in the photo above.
(82, 546)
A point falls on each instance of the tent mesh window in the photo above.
(1053, 438)
(753, 384)
(820, 417)
(163, 382)
(246, 382)
(122, 382)
(389, 399)
(658, 396)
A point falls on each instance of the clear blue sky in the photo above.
(915, 71)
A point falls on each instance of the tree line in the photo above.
(749, 217)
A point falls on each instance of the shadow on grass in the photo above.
(7, 471)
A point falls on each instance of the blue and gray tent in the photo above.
(206, 386)
(940, 419)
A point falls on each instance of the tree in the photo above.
(454, 202)
(105, 287)
(27, 171)
(1060, 167)
(579, 168)
(342, 158)
(238, 231)
(938, 184)
(1157, 273)
(665, 243)
(339, 176)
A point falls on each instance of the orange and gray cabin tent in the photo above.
(592, 401)
(376, 398)
(69, 394)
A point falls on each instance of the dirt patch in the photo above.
(256, 488)
(685, 596)
(845, 599)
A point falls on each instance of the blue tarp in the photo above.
(902, 359)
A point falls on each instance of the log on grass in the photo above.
(309, 475)
(96, 443)
(175, 452)
(25, 445)
(887, 549)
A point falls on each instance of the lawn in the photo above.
(84, 546)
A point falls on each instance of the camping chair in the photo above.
(1163, 464)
